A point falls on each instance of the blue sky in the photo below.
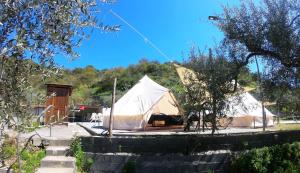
(172, 25)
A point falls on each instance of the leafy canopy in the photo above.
(270, 30)
(210, 86)
(35, 31)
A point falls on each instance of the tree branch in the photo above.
(26, 145)
(294, 19)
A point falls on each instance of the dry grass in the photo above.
(288, 127)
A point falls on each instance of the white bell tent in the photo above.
(133, 110)
(246, 111)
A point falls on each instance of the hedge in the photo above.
(275, 159)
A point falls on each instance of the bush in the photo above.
(83, 164)
(277, 159)
(7, 149)
(129, 167)
(30, 157)
(31, 160)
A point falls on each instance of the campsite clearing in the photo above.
(96, 130)
(287, 126)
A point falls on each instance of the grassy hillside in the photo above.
(94, 87)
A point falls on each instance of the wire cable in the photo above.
(142, 36)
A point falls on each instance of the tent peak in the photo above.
(145, 76)
(148, 81)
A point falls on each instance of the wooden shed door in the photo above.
(60, 102)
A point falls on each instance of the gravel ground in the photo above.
(58, 132)
(72, 129)
(230, 130)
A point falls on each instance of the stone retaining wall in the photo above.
(175, 153)
(186, 144)
(158, 163)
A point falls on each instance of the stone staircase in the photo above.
(56, 160)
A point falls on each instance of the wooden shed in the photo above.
(58, 96)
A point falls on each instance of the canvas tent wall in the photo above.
(133, 110)
(246, 111)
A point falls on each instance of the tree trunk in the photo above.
(18, 152)
(203, 120)
(261, 97)
(214, 125)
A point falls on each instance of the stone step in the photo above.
(59, 142)
(56, 170)
(57, 150)
(58, 162)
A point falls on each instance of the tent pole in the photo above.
(112, 108)
(176, 103)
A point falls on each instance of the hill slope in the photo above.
(94, 87)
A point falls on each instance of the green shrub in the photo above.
(75, 145)
(30, 157)
(7, 149)
(129, 167)
(83, 164)
(31, 160)
(277, 159)
(33, 126)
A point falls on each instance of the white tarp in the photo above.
(247, 111)
(133, 110)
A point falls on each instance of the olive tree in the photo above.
(211, 82)
(283, 89)
(32, 32)
(269, 30)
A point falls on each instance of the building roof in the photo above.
(59, 85)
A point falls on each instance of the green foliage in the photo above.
(164, 74)
(33, 126)
(129, 167)
(83, 164)
(210, 171)
(32, 33)
(275, 159)
(269, 29)
(213, 80)
(75, 145)
(30, 157)
(285, 93)
(8, 150)
(31, 160)
(82, 80)
(247, 79)
(35, 31)
(94, 87)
